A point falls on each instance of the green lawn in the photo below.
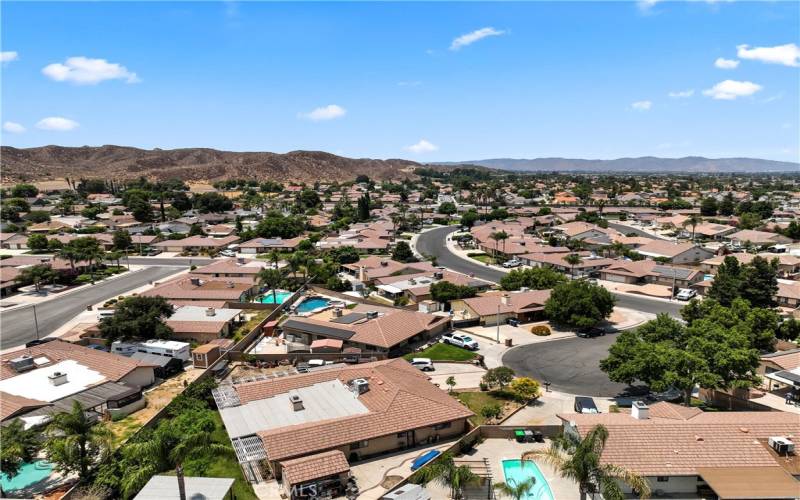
(443, 352)
(475, 401)
(483, 258)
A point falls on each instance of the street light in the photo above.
(498, 322)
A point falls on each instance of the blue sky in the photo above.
(424, 81)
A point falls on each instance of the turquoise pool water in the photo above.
(29, 474)
(516, 471)
(280, 296)
(312, 303)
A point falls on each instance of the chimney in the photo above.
(240, 260)
(362, 276)
(58, 378)
(297, 402)
(640, 410)
(505, 299)
(211, 312)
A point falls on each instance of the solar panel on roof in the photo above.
(348, 319)
(318, 329)
(677, 272)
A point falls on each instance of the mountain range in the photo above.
(643, 165)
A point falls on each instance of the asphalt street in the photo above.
(18, 326)
(570, 365)
(169, 261)
(433, 243)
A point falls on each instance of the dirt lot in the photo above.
(157, 398)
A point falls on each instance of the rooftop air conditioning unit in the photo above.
(359, 385)
(372, 314)
(297, 402)
(337, 312)
(211, 311)
(781, 445)
(22, 363)
(524, 289)
(195, 281)
(58, 378)
(438, 275)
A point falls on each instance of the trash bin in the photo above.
(509, 342)
(519, 434)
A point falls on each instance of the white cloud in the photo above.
(723, 63)
(646, 5)
(329, 112)
(681, 94)
(57, 123)
(13, 128)
(642, 105)
(470, 38)
(8, 56)
(86, 71)
(423, 146)
(731, 89)
(788, 55)
(412, 83)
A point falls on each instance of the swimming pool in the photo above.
(312, 304)
(280, 296)
(516, 471)
(29, 474)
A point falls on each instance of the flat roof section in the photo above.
(321, 401)
(36, 383)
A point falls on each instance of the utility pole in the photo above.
(36, 321)
(498, 322)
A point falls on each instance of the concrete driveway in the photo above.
(467, 376)
(570, 365)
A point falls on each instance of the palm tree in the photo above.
(445, 472)
(516, 490)
(693, 220)
(580, 461)
(271, 278)
(68, 252)
(162, 452)
(499, 236)
(618, 248)
(19, 447)
(74, 442)
(275, 257)
(114, 256)
(573, 260)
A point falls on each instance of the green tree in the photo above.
(36, 275)
(445, 291)
(141, 210)
(447, 208)
(343, 254)
(74, 442)
(196, 230)
(24, 191)
(579, 461)
(138, 317)
(498, 377)
(693, 220)
(272, 279)
(665, 353)
(491, 411)
(573, 260)
(726, 206)
(708, 207)
(516, 490)
(579, 304)
(727, 282)
(37, 216)
(525, 388)
(20, 446)
(499, 236)
(402, 252)
(445, 472)
(450, 382)
(122, 239)
(469, 218)
(535, 278)
(749, 220)
(37, 242)
(88, 249)
(363, 209)
(759, 282)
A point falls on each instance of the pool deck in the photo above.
(497, 450)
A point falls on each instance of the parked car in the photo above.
(587, 333)
(686, 294)
(104, 313)
(584, 404)
(424, 364)
(513, 321)
(228, 253)
(460, 340)
(511, 263)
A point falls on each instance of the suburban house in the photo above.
(708, 231)
(788, 264)
(51, 376)
(788, 294)
(370, 268)
(676, 253)
(758, 238)
(202, 324)
(196, 244)
(307, 429)
(233, 268)
(487, 309)
(578, 230)
(265, 245)
(649, 271)
(417, 287)
(685, 451)
(589, 263)
(367, 327)
(779, 370)
(189, 288)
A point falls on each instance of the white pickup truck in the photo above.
(460, 340)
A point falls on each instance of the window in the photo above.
(359, 444)
(445, 425)
(662, 479)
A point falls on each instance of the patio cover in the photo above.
(730, 483)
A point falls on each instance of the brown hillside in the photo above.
(120, 163)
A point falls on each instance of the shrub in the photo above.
(540, 330)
